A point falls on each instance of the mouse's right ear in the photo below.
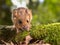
(14, 12)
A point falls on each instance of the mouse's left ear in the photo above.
(30, 14)
(14, 12)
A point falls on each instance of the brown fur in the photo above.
(21, 18)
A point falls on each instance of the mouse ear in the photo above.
(14, 12)
(30, 14)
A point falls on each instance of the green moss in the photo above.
(21, 36)
(49, 33)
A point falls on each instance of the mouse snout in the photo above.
(25, 27)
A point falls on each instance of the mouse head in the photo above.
(22, 18)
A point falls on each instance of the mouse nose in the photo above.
(25, 27)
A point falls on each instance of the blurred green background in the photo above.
(44, 12)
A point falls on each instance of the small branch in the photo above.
(6, 27)
(11, 43)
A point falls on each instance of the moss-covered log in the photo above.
(49, 33)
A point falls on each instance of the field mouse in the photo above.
(21, 18)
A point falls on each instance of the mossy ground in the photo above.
(49, 33)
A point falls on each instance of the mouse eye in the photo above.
(14, 16)
(20, 22)
(27, 21)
